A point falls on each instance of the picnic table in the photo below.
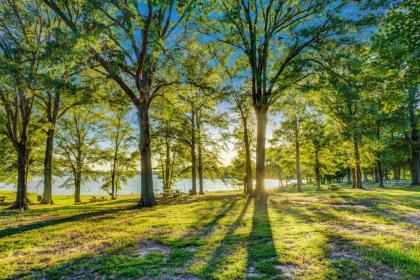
(397, 182)
(334, 187)
(97, 199)
(173, 193)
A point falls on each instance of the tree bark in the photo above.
(358, 169)
(298, 172)
(317, 171)
(396, 170)
(200, 156)
(380, 173)
(22, 187)
(365, 176)
(353, 178)
(48, 161)
(414, 141)
(147, 193)
(193, 156)
(248, 165)
(261, 114)
(77, 186)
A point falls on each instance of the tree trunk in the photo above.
(414, 141)
(349, 176)
(248, 165)
(200, 157)
(113, 185)
(317, 171)
(193, 156)
(261, 114)
(358, 169)
(147, 193)
(365, 176)
(48, 161)
(380, 174)
(353, 178)
(280, 178)
(22, 187)
(396, 170)
(298, 172)
(77, 185)
(167, 181)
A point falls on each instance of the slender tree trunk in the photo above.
(113, 185)
(200, 156)
(261, 114)
(22, 187)
(280, 178)
(380, 173)
(167, 181)
(48, 161)
(147, 193)
(77, 186)
(414, 141)
(248, 165)
(193, 156)
(349, 176)
(396, 170)
(317, 171)
(365, 176)
(358, 168)
(298, 172)
(353, 178)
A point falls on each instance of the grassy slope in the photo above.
(328, 235)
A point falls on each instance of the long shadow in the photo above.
(120, 261)
(205, 230)
(73, 218)
(216, 257)
(262, 255)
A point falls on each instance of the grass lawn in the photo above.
(348, 234)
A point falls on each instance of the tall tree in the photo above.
(23, 29)
(130, 40)
(77, 147)
(397, 46)
(273, 35)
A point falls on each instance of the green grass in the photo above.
(348, 234)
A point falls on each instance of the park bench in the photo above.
(334, 187)
(2, 198)
(97, 199)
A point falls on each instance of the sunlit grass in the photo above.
(347, 234)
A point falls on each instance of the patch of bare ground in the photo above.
(253, 272)
(343, 251)
(147, 247)
(174, 277)
(289, 271)
(413, 218)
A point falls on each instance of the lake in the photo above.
(132, 186)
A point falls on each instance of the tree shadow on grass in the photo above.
(121, 262)
(217, 258)
(262, 255)
(73, 218)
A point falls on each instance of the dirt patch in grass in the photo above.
(147, 247)
(349, 261)
(253, 272)
(413, 219)
(288, 270)
(175, 277)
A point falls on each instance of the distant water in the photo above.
(132, 186)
